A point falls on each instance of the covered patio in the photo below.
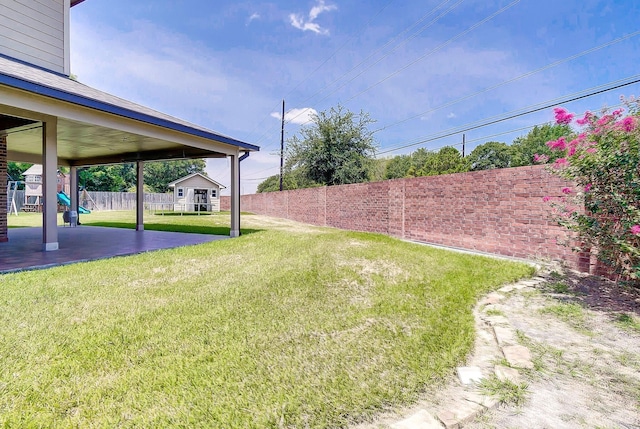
(50, 119)
(88, 243)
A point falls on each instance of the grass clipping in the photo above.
(278, 328)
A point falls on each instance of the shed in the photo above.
(196, 193)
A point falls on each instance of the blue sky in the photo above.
(419, 68)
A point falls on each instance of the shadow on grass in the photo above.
(193, 229)
(172, 213)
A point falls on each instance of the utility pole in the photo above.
(282, 147)
(463, 140)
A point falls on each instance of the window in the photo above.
(214, 193)
(180, 192)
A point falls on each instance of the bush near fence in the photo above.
(495, 211)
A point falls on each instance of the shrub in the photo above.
(602, 159)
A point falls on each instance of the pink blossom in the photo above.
(566, 190)
(635, 229)
(617, 112)
(586, 119)
(562, 116)
(545, 199)
(604, 120)
(587, 187)
(561, 162)
(559, 144)
(592, 150)
(572, 150)
(628, 124)
(540, 158)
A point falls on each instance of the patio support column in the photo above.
(73, 190)
(235, 195)
(140, 196)
(3, 189)
(50, 184)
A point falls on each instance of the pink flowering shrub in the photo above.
(603, 159)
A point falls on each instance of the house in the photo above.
(196, 193)
(50, 119)
(33, 187)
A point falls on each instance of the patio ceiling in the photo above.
(93, 127)
(87, 144)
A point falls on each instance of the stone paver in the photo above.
(506, 336)
(469, 374)
(504, 373)
(460, 412)
(420, 420)
(518, 356)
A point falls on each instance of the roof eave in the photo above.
(90, 103)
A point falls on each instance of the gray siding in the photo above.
(34, 31)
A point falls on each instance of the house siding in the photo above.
(36, 32)
(185, 203)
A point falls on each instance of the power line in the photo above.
(422, 57)
(308, 76)
(383, 47)
(527, 74)
(437, 48)
(490, 121)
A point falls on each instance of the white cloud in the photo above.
(296, 116)
(252, 18)
(451, 115)
(299, 22)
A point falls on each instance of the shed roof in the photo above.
(36, 170)
(185, 178)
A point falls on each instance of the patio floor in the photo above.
(24, 251)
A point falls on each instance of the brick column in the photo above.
(3, 189)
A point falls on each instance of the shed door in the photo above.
(200, 198)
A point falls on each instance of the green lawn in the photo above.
(290, 326)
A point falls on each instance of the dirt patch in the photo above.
(583, 333)
(587, 363)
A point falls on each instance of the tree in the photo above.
(337, 149)
(535, 142)
(446, 161)
(397, 167)
(490, 155)
(159, 174)
(602, 208)
(108, 178)
(291, 180)
(15, 169)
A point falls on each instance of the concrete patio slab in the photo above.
(24, 251)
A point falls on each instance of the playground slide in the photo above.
(64, 199)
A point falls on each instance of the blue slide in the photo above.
(64, 200)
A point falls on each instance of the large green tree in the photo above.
(338, 148)
(15, 169)
(535, 142)
(397, 167)
(108, 178)
(158, 175)
(122, 177)
(490, 155)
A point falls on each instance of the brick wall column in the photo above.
(3, 189)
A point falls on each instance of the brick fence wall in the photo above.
(3, 189)
(496, 211)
